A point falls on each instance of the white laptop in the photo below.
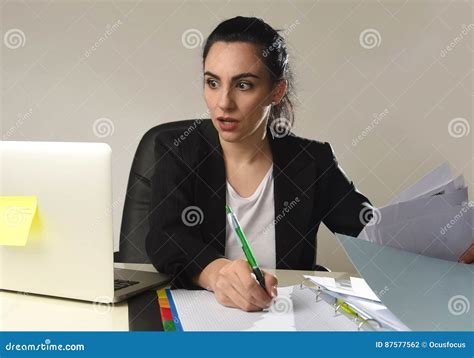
(70, 254)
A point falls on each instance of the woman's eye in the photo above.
(241, 85)
(244, 85)
(212, 83)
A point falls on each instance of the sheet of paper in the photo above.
(423, 206)
(16, 217)
(447, 187)
(362, 289)
(439, 226)
(443, 235)
(436, 203)
(330, 284)
(294, 309)
(434, 179)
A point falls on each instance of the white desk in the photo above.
(28, 312)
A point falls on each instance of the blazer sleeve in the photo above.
(347, 210)
(174, 245)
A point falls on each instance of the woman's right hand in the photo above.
(235, 285)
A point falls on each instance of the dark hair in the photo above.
(273, 50)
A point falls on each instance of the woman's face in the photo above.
(237, 90)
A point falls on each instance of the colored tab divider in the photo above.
(169, 314)
(16, 218)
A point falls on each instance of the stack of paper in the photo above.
(356, 287)
(433, 218)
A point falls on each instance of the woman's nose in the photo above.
(226, 101)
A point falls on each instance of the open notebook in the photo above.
(295, 309)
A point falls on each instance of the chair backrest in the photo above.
(135, 218)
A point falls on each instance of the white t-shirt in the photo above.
(256, 215)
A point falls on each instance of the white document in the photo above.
(358, 288)
(435, 179)
(362, 289)
(443, 234)
(423, 206)
(294, 309)
(433, 218)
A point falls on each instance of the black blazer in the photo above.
(190, 172)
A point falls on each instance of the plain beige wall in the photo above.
(395, 73)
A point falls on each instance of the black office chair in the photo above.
(135, 222)
(135, 225)
(135, 218)
(320, 268)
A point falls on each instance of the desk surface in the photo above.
(28, 312)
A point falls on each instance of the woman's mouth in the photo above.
(227, 123)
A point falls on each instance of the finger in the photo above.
(241, 297)
(227, 296)
(241, 302)
(249, 286)
(246, 290)
(252, 288)
(468, 255)
(271, 283)
(224, 300)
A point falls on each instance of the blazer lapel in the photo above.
(293, 195)
(211, 188)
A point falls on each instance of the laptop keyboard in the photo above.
(119, 284)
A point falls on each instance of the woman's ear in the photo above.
(279, 90)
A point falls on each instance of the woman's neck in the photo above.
(251, 149)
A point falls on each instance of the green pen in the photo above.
(234, 223)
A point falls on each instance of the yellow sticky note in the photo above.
(16, 217)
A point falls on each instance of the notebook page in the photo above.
(294, 309)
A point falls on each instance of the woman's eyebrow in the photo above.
(234, 78)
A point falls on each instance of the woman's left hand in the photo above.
(468, 256)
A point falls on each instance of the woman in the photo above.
(279, 185)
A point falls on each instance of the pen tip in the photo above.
(228, 209)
